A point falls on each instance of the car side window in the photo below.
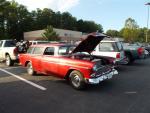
(29, 51)
(104, 46)
(38, 50)
(49, 51)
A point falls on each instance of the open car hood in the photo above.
(89, 43)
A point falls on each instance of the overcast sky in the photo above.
(111, 14)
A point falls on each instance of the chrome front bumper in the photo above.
(102, 78)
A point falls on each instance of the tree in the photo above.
(130, 32)
(43, 18)
(131, 24)
(88, 26)
(50, 34)
(68, 21)
(15, 19)
(113, 33)
(3, 11)
(56, 20)
(130, 35)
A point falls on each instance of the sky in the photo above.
(111, 14)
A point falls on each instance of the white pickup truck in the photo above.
(8, 52)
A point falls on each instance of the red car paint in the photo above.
(46, 59)
(56, 65)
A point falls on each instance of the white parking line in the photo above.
(24, 80)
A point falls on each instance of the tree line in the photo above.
(16, 19)
(131, 32)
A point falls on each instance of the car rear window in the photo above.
(106, 46)
(110, 46)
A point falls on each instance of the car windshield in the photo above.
(64, 50)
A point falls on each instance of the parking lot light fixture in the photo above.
(148, 4)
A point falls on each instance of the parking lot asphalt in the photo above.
(128, 92)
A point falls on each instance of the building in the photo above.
(65, 35)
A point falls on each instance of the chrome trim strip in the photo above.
(65, 64)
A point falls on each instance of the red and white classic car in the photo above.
(75, 64)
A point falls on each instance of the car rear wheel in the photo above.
(77, 80)
(30, 69)
(129, 59)
(8, 61)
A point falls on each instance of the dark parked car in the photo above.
(133, 52)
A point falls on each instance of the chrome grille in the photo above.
(103, 70)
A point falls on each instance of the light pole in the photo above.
(148, 4)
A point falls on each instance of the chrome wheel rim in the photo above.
(76, 80)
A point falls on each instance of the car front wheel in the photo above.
(30, 69)
(77, 80)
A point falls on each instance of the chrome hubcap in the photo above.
(76, 80)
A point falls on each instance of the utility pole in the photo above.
(148, 4)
